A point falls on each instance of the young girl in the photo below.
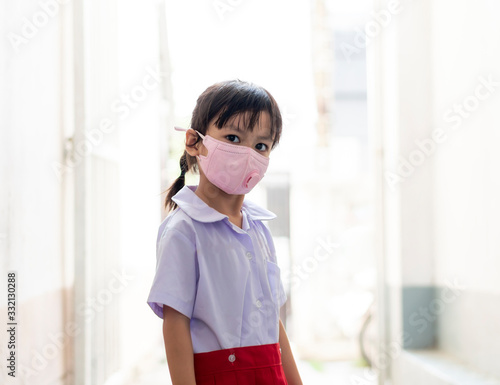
(217, 285)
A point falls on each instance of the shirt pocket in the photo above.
(273, 277)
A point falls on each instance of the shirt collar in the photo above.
(197, 209)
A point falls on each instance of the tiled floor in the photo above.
(324, 373)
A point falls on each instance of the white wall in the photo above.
(467, 187)
(31, 141)
(442, 220)
(466, 92)
(31, 204)
(37, 204)
(140, 146)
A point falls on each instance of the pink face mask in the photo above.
(232, 168)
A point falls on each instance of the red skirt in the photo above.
(247, 365)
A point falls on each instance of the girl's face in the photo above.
(236, 132)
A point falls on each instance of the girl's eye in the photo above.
(233, 138)
(261, 147)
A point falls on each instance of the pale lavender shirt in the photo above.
(224, 278)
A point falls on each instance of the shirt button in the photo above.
(232, 358)
(258, 303)
(249, 255)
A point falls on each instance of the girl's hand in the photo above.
(289, 367)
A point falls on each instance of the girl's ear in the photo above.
(192, 146)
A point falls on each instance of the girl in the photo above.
(217, 285)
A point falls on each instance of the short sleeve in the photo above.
(175, 280)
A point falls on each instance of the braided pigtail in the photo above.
(178, 183)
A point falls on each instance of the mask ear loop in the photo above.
(177, 128)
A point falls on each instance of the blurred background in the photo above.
(384, 181)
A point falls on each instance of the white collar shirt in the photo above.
(223, 277)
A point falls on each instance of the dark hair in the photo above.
(225, 100)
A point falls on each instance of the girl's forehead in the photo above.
(241, 121)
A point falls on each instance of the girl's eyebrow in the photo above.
(260, 137)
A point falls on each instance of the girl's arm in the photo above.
(289, 367)
(178, 347)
